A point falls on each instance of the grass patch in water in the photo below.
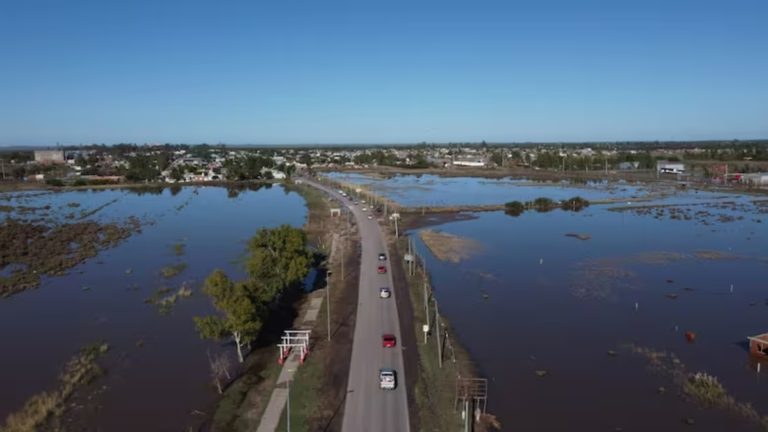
(702, 388)
(449, 247)
(44, 409)
(173, 270)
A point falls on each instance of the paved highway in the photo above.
(368, 408)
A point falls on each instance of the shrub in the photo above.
(574, 204)
(543, 204)
(514, 208)
(54, 182)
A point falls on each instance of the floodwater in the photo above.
(431, 190)
(533, 299)
(157, 367)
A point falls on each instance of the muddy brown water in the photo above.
(157, 369)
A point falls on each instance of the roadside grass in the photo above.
(243, 402)
(306, 394)
(43, 410)
(435, 388)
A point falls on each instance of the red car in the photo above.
(382, 269)
(388, 341)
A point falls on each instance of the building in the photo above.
(754, 179)
(467, 162)
(758, 345)
(626, 166)
(49, 156)
(667, 167)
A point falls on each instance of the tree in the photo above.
(220, 365)
(279, 258)
(242, 316)
(514, 208)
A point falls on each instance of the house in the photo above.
(754, 179)
(667, 167)
(758, 345)
(469, 162)
(625, 166)
(49, 156)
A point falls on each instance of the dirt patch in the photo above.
(411, 221)
(449, 247)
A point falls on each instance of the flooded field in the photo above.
(430, 190)
(156, 368)
(597, 320)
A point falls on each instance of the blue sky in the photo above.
(361, 71)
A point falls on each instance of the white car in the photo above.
(365, 208)
(370, 217)
(384, 292)
(387, 379)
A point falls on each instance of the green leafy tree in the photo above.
(279, 258)
(241, 318)
(514, 208)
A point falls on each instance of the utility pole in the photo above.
(288, 405)
(396, 235)
(439, 342)
(426, 305)
(343, 240)
(328, 306)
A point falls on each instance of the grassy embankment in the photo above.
(43, 411)
(435, 387)
(319, 385)
(315, 386)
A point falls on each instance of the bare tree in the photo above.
(220, 365)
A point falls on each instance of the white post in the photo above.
(396, 228)
(328, 307)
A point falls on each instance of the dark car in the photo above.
(381, 270)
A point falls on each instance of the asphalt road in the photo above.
(368, 408)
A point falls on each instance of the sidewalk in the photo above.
(274, 411)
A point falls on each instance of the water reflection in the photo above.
(104, 299)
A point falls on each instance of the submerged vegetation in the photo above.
(44, 409)
(173, 270)
(30, 250)
(164, 298)
(544, 204)
(702, 388)
(449, 247)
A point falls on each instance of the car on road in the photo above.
(384, 292)
(387, 379)
(382, 257)
(370, 217)
(362, 201)
(381, 270)
(355, 203)
(388, 341)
